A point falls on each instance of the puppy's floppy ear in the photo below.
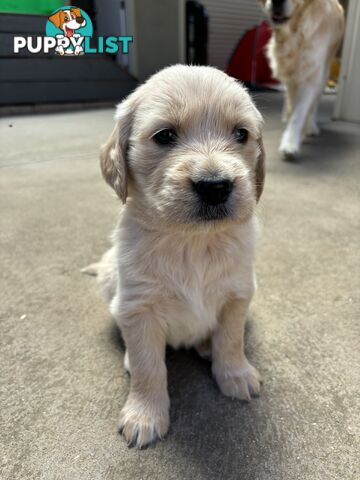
(113, 154)
(57, 18)
(260, 169)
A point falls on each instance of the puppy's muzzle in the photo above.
(213, 191)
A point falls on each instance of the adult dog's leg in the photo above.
(312, 128)
(292, 137)
(235, 376)
(289, 101)
(145, 415)
(285, 114)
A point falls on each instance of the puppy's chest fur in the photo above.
(188, 278)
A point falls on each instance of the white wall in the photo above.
(158, 29)
(348, 99)
(228, 21)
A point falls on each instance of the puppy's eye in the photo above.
(165, 137)
(241, 135)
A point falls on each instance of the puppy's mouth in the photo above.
(279, 18)
(207, 213)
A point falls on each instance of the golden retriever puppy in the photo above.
(186, 159)
(306, 36)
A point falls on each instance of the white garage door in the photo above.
(228, 21)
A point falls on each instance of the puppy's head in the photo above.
(187, 148)
(280, 11)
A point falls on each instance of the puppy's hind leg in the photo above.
(204, 349)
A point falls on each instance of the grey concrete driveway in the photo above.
(61, 374)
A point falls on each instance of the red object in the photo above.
(248, 63)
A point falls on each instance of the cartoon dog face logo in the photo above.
(69, 21)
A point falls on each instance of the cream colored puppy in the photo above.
(186, 158)
(306, 36)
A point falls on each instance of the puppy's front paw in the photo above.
(142, 423)
(241, 381)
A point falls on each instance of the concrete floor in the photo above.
(61, 374)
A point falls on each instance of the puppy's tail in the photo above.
(92, 269)
(106, 272)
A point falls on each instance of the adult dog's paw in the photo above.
(241, 381)
(290, 145)
(141, 423)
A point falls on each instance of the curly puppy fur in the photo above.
(181, 271)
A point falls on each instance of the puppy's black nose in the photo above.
(213, 191)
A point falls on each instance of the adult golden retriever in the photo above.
(187, 160)
(306, 36)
